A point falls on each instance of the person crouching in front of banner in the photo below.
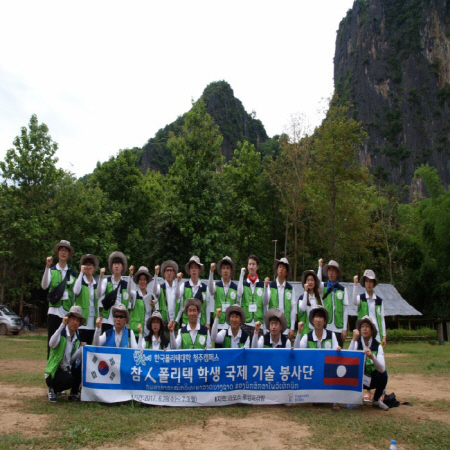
(276, 324)
(155, 340)
(63, 370)
(234, 336)
(119, 335)
(319, 337)
(193, 335)
(375, 375)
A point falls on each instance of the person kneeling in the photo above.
(193, 335)
(119, 335)
(276, 324)
(234, 336)
(319, 337)
(63, 370)
(375, 375)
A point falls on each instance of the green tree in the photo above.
(246, 213)
(288, 173)
(29, 182)
(191, 221)
(340, 199)
(128, 201)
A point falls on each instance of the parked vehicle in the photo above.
(9, 321)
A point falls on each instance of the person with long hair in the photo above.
(310, 298)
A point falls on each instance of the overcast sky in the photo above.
(107, 75)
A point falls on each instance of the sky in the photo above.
(107, 75)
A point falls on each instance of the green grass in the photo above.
(422, 358)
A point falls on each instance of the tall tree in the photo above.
(247, 211)
(339, 194)
(191, 221)
(30, 180)
(288, 173)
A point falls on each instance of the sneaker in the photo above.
(51, 396)
(62, 394)
(74, 398)
(380, 404)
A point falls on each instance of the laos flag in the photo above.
(341, 371)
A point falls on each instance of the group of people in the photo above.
(177, 315)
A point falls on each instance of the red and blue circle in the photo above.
(103, 368)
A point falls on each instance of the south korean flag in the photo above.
(103, 368)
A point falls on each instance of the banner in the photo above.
(219, 377)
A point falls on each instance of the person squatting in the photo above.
(173, 315)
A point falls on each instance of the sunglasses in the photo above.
(116, 316)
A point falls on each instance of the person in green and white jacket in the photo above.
(63, 369)
(85, 291)
(193, 335)
(282, 294)
(369, 304)
(117, 263)
(53, 276)
(142, 301)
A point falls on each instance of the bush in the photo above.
(420, 334)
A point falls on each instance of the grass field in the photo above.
(420, 367)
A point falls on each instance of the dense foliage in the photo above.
(310, 194)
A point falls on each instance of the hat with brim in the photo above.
(122, 309)
(196, 260)
(285, 262)
(123, 260)
(236, 309)
(192, 301)
(306, 274)
(370, 275)
(368, 320)
(274, 312)
(335, 265)
(93, 258)
(142, 271)
(229, 262)
(169, 263)
(66, 244)
(318, 309)
(76, 312)
(155, 315)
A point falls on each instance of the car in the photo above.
(9, 321)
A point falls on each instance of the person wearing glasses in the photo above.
(119, 335)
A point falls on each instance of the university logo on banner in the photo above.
(341, 371)
(103, 368)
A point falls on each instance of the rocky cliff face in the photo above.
(392, 64)
(234, 122)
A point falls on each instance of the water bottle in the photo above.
(393, 445)
(352, 406)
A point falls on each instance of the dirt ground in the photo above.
(408, 388)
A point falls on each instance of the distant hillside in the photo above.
(392, 63)
(234, 123)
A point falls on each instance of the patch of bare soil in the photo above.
(13, 419)
(24, 365)
(232, 434)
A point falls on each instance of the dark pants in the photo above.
(378, 382)
(53, 323)
(339, 339)
(86, 336)
(65, 380)
(106, 327)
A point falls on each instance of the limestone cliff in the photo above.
(392, 64)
